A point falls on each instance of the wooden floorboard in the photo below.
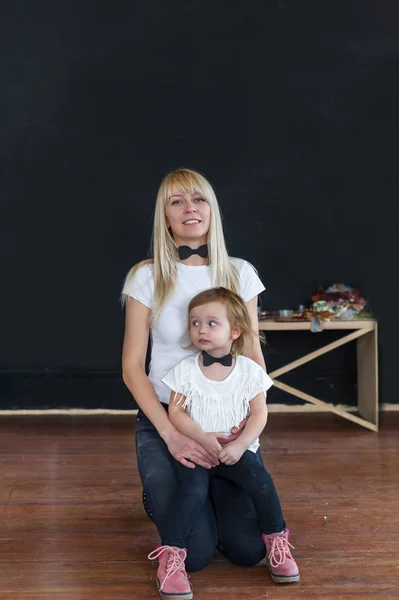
(72, 526)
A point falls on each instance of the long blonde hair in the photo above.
(164, 249)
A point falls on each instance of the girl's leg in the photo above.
(238, 526)
(251, 476)
(161, 484)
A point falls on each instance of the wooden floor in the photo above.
(73, 528)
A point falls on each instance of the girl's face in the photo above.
(210, 328)
(188, 216)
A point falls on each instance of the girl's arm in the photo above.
(256, 422)
(181, 420)
(135, 344)
(257, 419)
(184, 423)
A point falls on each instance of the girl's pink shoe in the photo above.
(172, 579)
(282, 566)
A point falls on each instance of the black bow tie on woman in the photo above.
(186, 251)
(208, 360)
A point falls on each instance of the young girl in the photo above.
(212, 392)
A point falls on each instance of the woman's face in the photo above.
(188, 216)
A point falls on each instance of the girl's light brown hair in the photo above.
(237, 314)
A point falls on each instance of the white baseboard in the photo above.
(273, 408)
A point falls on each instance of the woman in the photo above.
(157, 294)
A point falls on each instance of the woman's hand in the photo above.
(189, 452)
(235, 433)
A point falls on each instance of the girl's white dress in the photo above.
(218, 405)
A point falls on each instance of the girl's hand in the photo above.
(235, 433)
(189, 452)
(212, 445)
(231, 453)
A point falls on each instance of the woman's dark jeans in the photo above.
(227, 520)
(248, 474)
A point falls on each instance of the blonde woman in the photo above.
(189, 256)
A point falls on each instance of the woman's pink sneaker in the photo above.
(282, 566)
(172, 579)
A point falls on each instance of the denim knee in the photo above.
(199, 557)
(244, 556)
(202, 541)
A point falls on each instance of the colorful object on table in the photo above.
(338, 301)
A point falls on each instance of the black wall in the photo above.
(288, 108)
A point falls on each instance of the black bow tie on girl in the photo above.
(186, 251)
(208, 360)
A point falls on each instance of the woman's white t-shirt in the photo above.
(167, 335)
(218, 405)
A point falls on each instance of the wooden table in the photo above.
(366, 335)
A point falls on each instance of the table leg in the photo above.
(367, 376)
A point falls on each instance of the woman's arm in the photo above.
(252, 348)
(137, 328)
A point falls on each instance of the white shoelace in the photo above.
(279, 551)
(174, 562)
